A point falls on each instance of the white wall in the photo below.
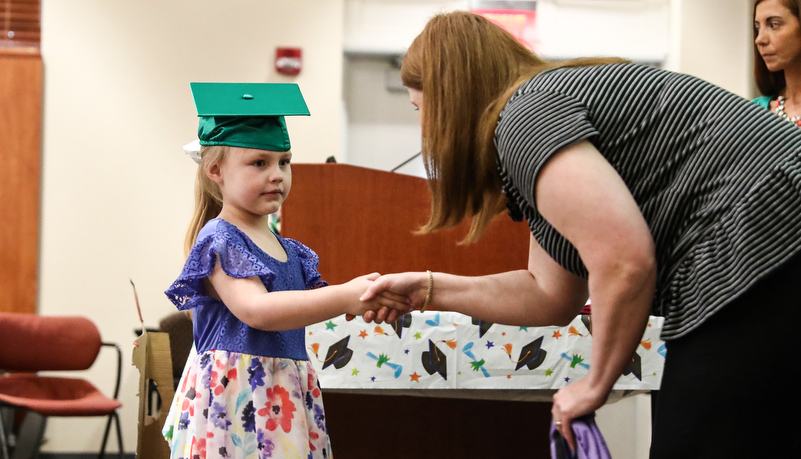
(382, 126)
(117, 188)
(689, 36)
(380, 119)
(382, 130)
(712, 39)
(634, 29)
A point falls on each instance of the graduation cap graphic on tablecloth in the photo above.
(586, 319)
(434, 361)
(483, 326)
(338, 354)
(634, 366)
(531, 355)
(404, 321)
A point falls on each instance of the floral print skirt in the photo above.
(241, 406)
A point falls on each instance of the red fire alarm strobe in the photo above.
(288, 61)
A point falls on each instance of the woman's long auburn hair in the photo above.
(467, 69)
(771, 83)
(208, 198)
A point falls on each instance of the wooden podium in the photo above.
(362, 220)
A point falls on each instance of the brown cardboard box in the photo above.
(151, 355)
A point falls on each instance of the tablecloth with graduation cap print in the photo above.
(447, 350)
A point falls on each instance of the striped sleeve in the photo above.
(534, 127)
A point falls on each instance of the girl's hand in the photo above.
(403, 286)
(572, 402)
(384, 314)
(387, 306)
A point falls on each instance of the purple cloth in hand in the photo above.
(590, 443)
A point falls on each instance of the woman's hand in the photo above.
(411, 287)
(385, 306)
(574, 401)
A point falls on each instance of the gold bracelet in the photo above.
(430, 291)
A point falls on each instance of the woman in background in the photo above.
(777, 57)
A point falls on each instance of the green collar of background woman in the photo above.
(765, 102)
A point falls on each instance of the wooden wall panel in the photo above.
(20, 146)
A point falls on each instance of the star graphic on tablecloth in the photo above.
(556, 334)
(417, 335)
(354, 372)
(363, 334)
(415, 377)
(330, 325)
(490, 344)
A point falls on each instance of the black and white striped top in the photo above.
(717, 178)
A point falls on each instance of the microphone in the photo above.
(407, 161)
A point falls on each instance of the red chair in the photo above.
(31, 343)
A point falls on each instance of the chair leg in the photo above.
(3, 440)
(119, 435)
(116, 417)
(30, 436)
(105, 437)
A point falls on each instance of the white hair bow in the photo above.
(193, 150)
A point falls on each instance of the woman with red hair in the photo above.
(652, 192)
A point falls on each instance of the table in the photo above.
(450, 354)
(448, 385)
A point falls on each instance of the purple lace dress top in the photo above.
(248, 393)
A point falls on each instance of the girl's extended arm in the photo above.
(251, 303)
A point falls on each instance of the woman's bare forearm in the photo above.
(514, 297)
(621, 301)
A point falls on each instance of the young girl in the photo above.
(251, 391)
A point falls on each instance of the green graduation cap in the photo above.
(249, 115)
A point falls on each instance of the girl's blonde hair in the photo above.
(208, 199)
(467, 68)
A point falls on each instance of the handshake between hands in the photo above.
(386, 298)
